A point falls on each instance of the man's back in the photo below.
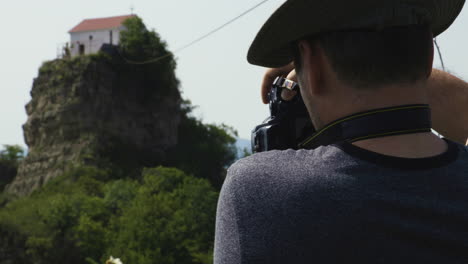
(343, 203)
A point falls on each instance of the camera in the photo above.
(288, 124)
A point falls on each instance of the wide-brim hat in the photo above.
(296, 19)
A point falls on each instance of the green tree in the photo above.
(119, 194)
(137, 46)
(204, 150)
(139, 43)
(166, 217)
(171, 220)
(12, 154)
(64, 222)
(245, 152)
(10, 158)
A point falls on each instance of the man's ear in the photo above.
(312, 66)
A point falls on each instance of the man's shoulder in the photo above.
(282, 169)
(260, 163)
(275, 161)
(270, 162)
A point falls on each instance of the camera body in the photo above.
(288, 124)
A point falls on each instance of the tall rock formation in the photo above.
(96, 109)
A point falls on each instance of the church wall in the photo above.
(99, 37)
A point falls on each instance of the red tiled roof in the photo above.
(100, 23)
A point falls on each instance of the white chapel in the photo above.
(89, 35)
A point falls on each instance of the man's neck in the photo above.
(351, 100)
(418, 145)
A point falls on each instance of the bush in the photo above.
(167, 217)
(10, 157)
(59, 222)
(12, 154)
(171, 220)
(139, 43)
(204, 150)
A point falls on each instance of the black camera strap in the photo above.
(399, 120)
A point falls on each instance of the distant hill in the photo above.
(242, 143)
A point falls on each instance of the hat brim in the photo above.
(299, 18)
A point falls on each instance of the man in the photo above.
(391, 198)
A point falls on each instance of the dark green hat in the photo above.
(299, 18)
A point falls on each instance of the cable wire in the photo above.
(440, 54)
(197, 39)
(443, 68)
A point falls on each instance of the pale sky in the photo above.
(214, 73)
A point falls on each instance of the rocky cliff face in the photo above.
(94, 108)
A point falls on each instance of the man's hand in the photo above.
(270, 76)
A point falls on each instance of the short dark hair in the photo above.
(365, 59)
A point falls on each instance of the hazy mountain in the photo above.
(241, 144)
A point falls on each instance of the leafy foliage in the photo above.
(11, 154)
(50, 220)
(10, 157)
(171, 220)
(167, 217)
(203, 150)
(139, 43)
(245, 152)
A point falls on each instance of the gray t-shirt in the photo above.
(344, 204)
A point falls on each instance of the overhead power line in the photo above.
(197, 39)
(440, 54)
(443, 68)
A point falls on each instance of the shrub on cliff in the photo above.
(139, 47)
(139, 43)
(204, 150)
(10, 158)
(11, 154)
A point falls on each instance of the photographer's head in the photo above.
(355, 54)
(360, 70)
